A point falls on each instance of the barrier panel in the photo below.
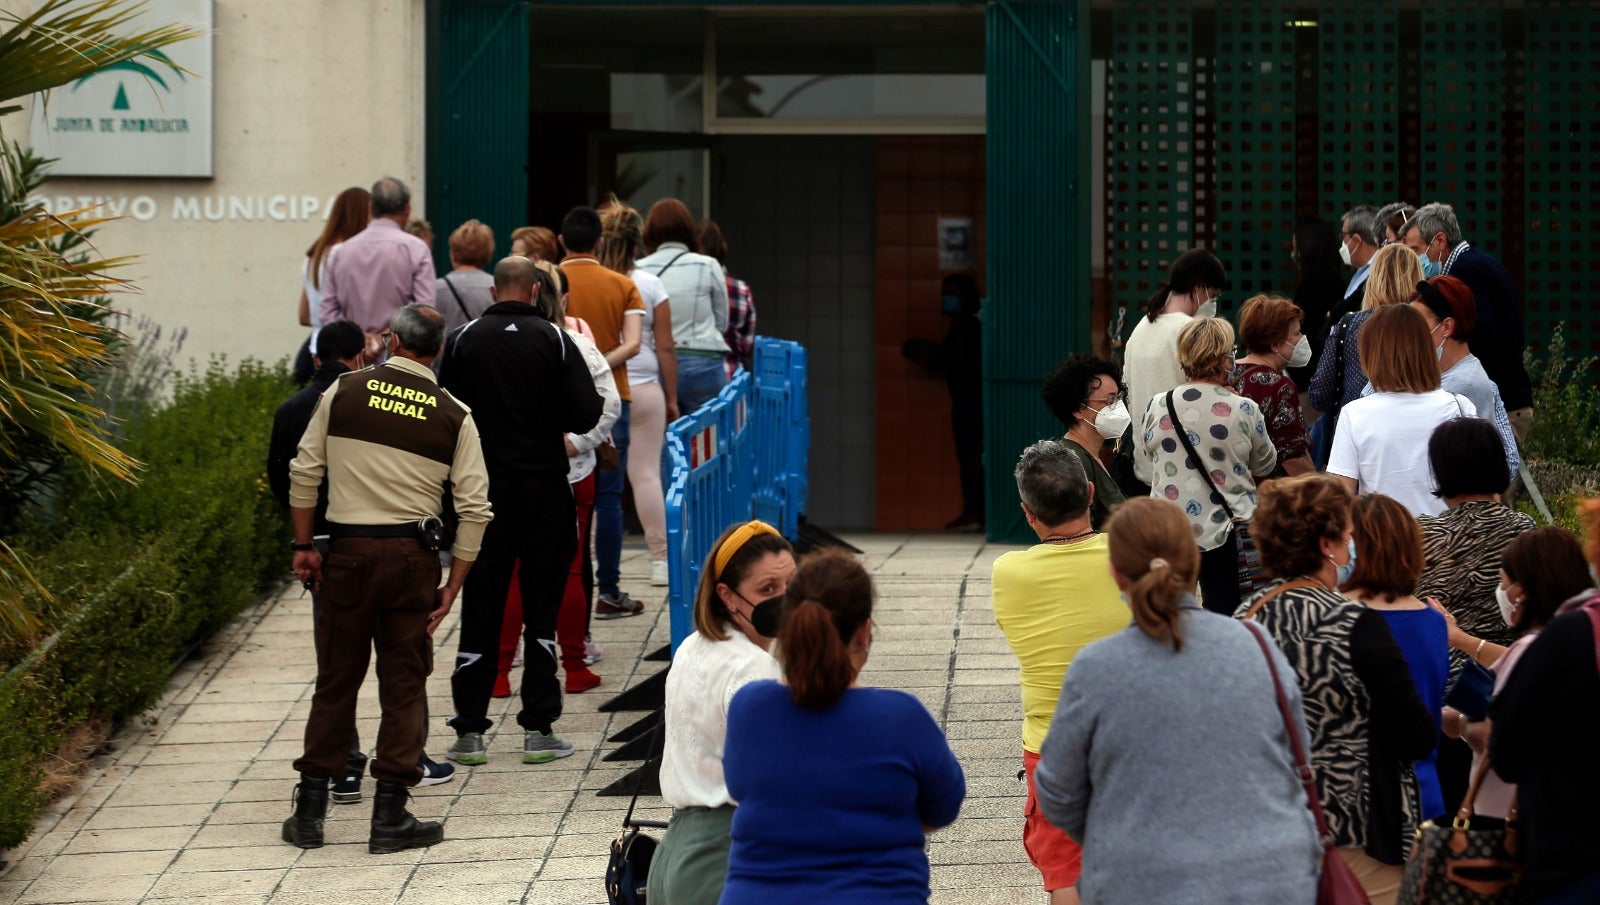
(742, 455)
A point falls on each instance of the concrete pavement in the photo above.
(188, 804)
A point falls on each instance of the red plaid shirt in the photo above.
(741, 332)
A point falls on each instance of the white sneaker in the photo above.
(592, 653)
(658, 573)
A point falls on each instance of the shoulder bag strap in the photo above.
(1302, 765)
(1194, 457)
(459, 303)
(670, 263)
(638, 782)
(1286, 586)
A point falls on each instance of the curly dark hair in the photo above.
(1292, 515)
(1068, 387)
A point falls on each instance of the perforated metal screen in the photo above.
(1462, 95)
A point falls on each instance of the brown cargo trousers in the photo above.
(377, 593)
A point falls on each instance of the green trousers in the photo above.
(691, 864)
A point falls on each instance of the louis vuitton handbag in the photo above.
(1459, 865)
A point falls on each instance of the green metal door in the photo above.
(1038, 212)
(479, 58)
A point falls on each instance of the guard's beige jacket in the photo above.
(387, 438)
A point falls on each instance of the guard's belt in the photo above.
(408, 529)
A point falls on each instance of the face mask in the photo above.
(1507, 608)
(1430, 268)
(1342, 573)
(1301, 356)
(950, 304)
(1344, 255)
(1207, 308)
(765, 615)
(1112, 420)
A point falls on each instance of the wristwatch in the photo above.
(301, 548)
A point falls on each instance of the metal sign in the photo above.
(140, 117)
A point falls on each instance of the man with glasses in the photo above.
(1358, 242)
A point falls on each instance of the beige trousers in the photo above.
(1381, 881)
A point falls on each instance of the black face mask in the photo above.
(765, 615)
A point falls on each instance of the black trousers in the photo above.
(533, 523)
(1219, 577)
(966, 422)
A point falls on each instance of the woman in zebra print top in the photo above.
(1367, 722)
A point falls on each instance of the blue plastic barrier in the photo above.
(742, 455)
(782, 435)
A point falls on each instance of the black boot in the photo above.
(393, 827)
(304, 827)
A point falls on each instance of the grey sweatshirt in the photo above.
(1174, 772)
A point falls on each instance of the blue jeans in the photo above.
(700, 379)
(608, 513)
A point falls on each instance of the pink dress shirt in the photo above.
(378, 271)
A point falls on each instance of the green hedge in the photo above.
(141, 573)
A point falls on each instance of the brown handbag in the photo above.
(1337, 884)
(1458, 865)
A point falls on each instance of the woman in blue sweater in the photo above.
(837, 784)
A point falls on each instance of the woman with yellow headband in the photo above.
(735, 618)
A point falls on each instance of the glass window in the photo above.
(850, 66)
(640, 69)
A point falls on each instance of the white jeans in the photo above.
(648, 426)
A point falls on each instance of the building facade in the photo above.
(1078, 147)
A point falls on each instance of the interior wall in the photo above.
(798, 213)
(920, 179)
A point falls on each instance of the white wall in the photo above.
(312, 96)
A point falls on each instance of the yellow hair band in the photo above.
(736, 541)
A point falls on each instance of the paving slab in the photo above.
(187, 805)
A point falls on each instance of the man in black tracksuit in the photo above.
(528, 386)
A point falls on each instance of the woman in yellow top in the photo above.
(1051, 601)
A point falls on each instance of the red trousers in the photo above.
(572, 623)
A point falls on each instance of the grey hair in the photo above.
(389, 197)
(1360, 221)
(1386, 214)
(1432, 219)
(1052, 483)
(419, 328)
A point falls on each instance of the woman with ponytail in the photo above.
(736, 612)
(1171, 725)
(837, 784)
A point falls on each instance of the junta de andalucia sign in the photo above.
(139, 117)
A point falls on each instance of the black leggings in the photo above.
(1219, 577)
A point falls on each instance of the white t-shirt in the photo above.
(581, 464)
(1382, 442)
(646, 367)
(1150, 366)
(705, 674)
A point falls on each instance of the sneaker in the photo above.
(435, 773)
(965, 524)
(660, 574)
(580, 680)
(592, 653)
(346, 789)
(618, 607)
(543, 747)
(468, 750)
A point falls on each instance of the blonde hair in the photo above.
(1205, 347)
(1393, 279)
(1153, 547)
(622, 229)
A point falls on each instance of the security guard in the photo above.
(387, 438)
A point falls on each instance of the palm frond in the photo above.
(65, 40)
